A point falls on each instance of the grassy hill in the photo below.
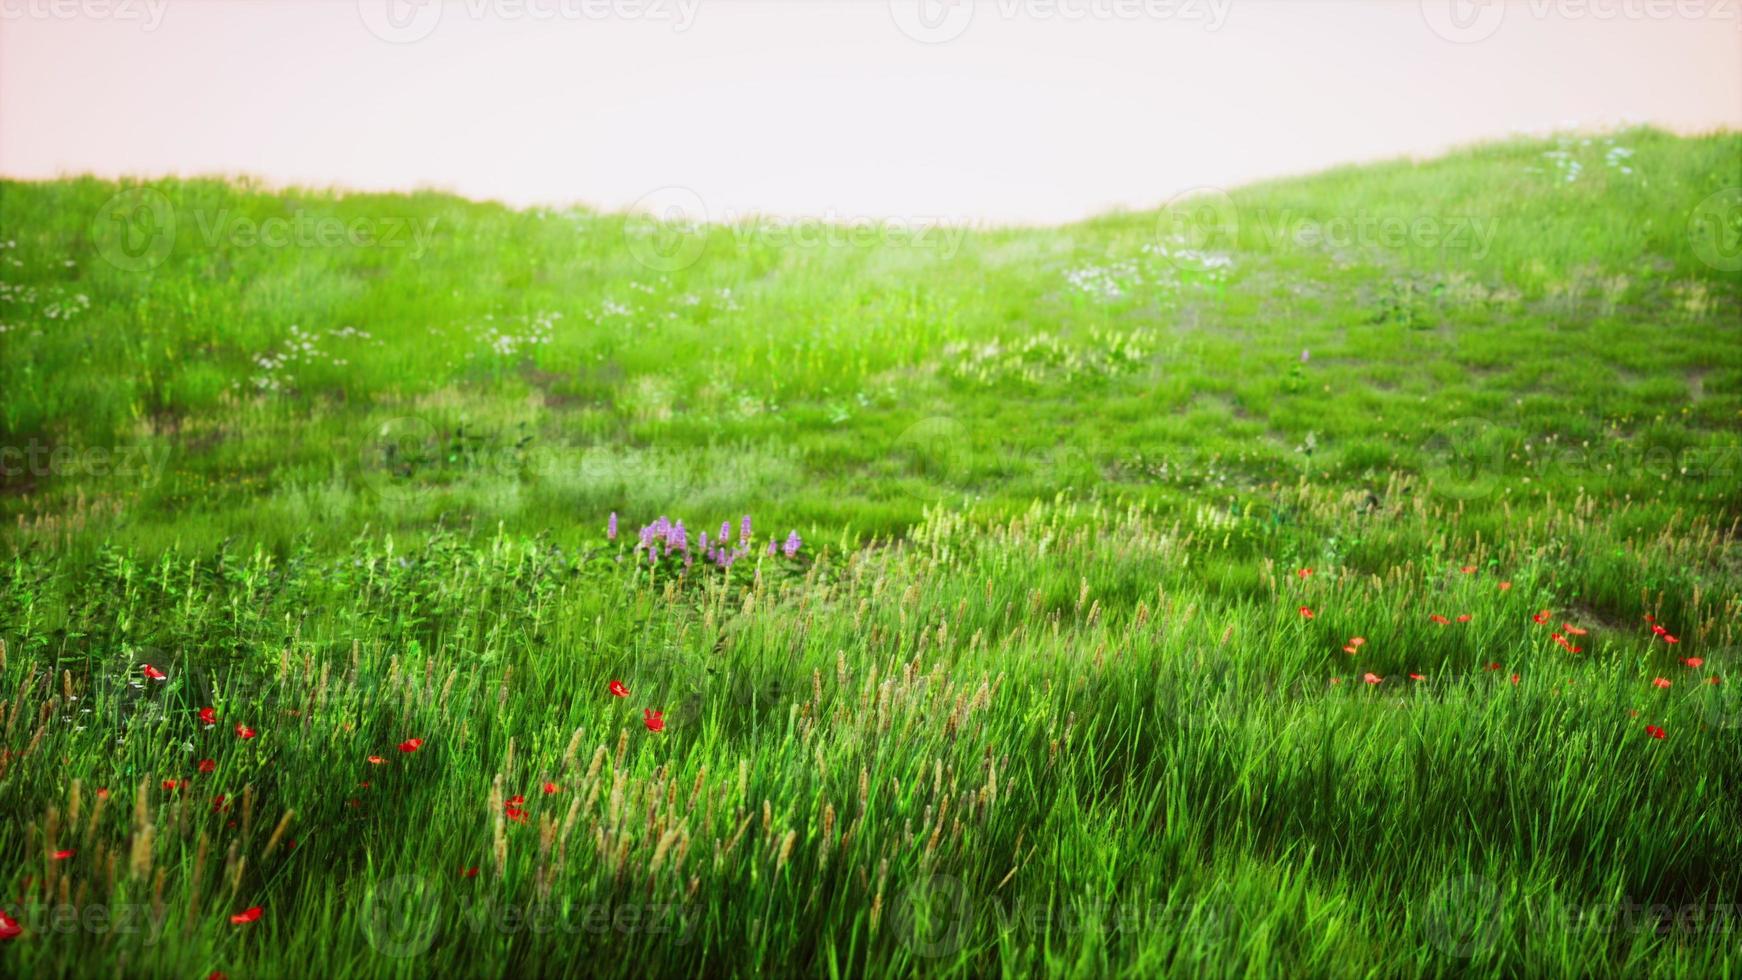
(1294, 580)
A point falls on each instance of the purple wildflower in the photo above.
(611, 527)
(792, 544)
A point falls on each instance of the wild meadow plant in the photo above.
(1088, 624)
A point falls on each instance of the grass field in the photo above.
(1332, 577)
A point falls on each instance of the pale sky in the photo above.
(996, 110)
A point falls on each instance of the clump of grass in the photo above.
(1051, 666)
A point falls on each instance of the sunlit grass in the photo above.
(1036, 694)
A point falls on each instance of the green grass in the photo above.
(1036, 694)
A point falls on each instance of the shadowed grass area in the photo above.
(1294, 582)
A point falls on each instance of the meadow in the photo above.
(1337, 576)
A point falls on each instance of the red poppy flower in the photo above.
(207, 765)
(1694, 661)
(376, 760)
(208, 716)
(654, 720)
(617, 688)
(9, 927)
(1505, 586)
(1306, 612)
(153, 674)
(1371, 678)
(1660, 682)
(243, 731)
(1541, 617)
(469, 873)
(1418, 677)
(248, 914)
(549, 788)
(1468, 569)
(1655, 732)
(61, 855)
(411, 745)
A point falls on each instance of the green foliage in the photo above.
(1035, 697)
